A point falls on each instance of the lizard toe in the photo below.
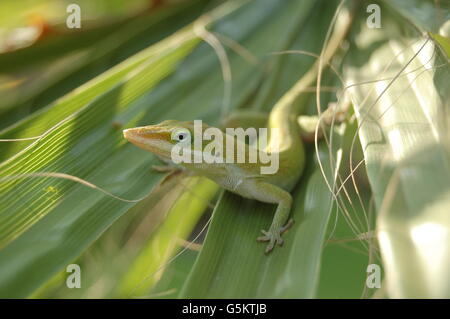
(267, 236)
(270, 246)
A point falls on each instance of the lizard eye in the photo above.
(180, 136)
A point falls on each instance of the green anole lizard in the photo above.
(245, 179)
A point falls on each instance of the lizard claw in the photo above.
(273, 236)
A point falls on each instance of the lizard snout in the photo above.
(144, 133)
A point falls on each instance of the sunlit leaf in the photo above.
(404, 122)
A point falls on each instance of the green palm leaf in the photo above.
(404, 133)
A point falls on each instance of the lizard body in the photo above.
(244, 179)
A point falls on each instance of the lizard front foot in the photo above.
(273, 236)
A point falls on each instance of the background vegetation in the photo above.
(375, 190)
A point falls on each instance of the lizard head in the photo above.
(161, 138)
